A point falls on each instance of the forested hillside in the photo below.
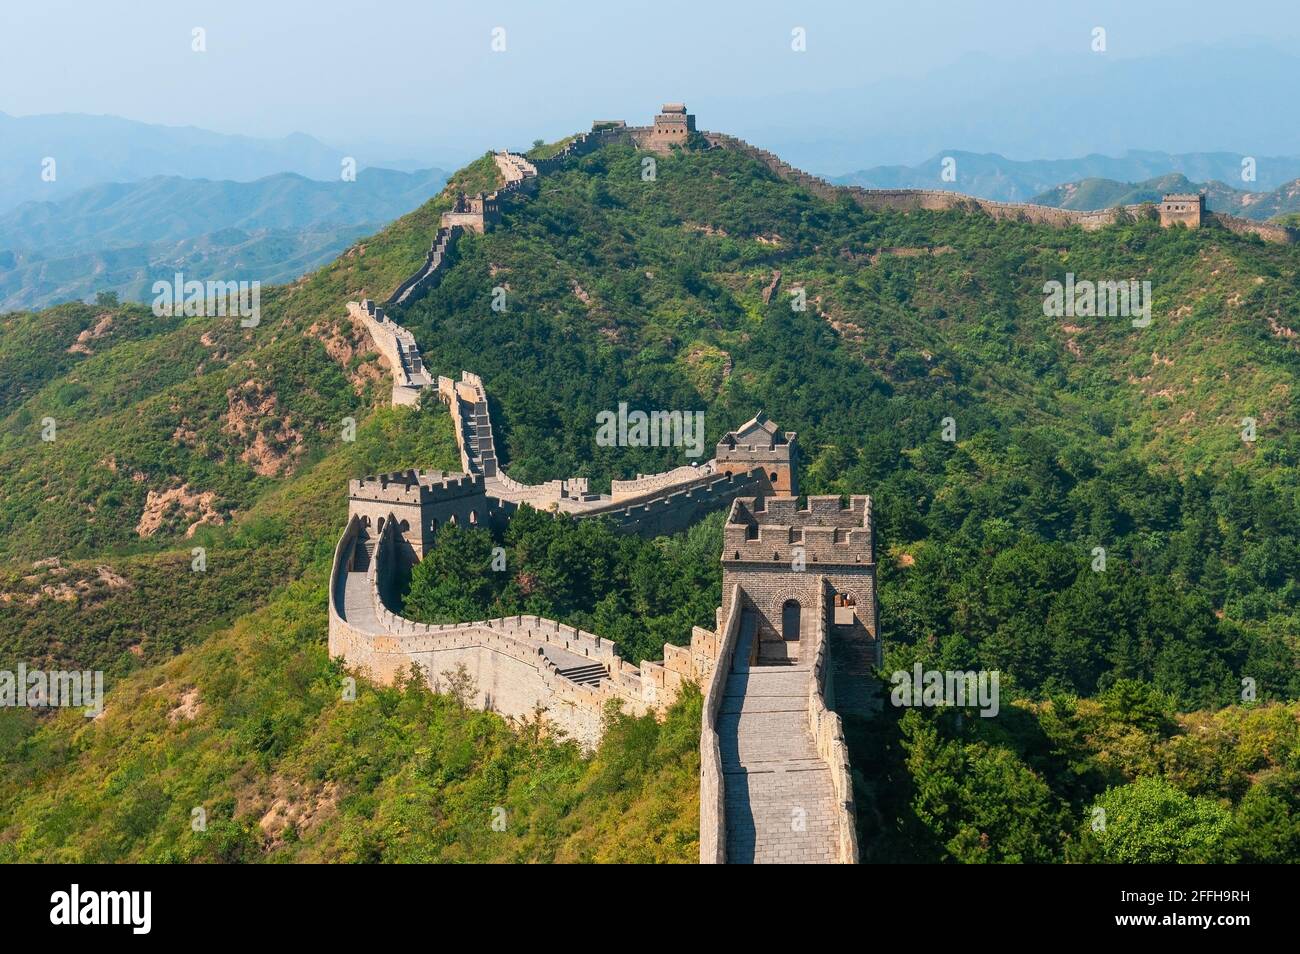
(1122, 686)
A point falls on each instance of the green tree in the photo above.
(1149, 821)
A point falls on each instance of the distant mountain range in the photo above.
(992, 176)
(1090, 194)
(90, 150)
(93, 150)
(123, 236)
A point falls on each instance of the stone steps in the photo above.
(585, 675)
(364, 553)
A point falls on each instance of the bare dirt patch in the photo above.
(188, 709)
(343, 343)
(103, 324)
(253, 416)
(178, 504)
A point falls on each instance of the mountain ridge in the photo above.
(993, 176)
(1091, 194)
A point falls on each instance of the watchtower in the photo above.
(760, 443)
(673, 127)
(1182, 208)
(791, 561)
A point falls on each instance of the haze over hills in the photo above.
(1040, 104)
(91, 150)
(993, 176)
(121, 236)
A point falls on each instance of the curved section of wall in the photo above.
(653, 503)
(521, 666)
(645, 484)
(423, 279)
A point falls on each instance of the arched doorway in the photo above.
(790, 613)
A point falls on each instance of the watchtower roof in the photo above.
(758, 430)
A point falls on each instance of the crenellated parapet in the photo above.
(777, 530)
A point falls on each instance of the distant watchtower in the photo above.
(760, 443)
(673, 127)
(1182, 208)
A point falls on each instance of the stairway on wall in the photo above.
(779, 804)
(362, 554)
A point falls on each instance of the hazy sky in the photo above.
(419, 77)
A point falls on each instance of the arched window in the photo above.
(790, 619)
(473, 518)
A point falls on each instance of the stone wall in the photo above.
(681, 507)
(666, 503)
(398, 349)
(713, 834)
(1265, 230)
(506, 657)
(939, 200)
(828, 733)
(427, 275)
(649, 483)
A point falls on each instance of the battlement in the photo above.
(777, 530)
(414, 486)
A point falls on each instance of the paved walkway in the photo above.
(779, 802)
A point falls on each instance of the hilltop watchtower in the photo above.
(789, 562)
(760, 443)
(1182, 208)
(673, 127)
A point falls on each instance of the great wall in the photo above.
(797, 635)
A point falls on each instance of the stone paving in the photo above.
(779, 802)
